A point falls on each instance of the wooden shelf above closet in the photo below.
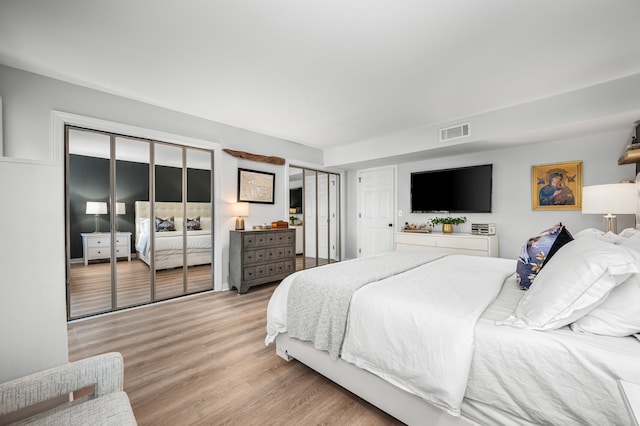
(630, 157)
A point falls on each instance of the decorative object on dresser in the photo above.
(609, 200)
(241, 210)
(448, 222)
(475, 245)
(260, 257)
(98, 245)
(483, 228)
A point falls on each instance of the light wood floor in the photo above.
(90, 285)
(201, 360)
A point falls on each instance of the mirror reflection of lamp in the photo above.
(609, 200)
(240, 210)
(96, 208)
(120, 210)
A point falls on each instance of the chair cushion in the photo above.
(111, 409)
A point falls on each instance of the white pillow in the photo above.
(576, 279)
(589, 232)
(144, 226)
(629, 232)
(632, 243)
(609, 237)
(618, 315)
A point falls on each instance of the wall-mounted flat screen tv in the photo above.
(459, 190)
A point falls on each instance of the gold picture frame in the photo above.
(557, 186)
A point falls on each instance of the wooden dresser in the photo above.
(259, 257)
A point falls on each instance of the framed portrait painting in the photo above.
(557, 186)
(255, 186)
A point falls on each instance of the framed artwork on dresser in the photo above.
(557, 186)
(255, 186)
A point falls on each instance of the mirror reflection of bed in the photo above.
(91, 284)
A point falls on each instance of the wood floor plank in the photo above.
(201, 360)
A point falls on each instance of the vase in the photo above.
(447, 228)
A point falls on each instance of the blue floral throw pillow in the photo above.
(537, 251)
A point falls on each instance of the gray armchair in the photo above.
(107, 405)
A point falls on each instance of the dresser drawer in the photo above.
(98, 252)
(103, 241)
(122, 241)
(253, 256)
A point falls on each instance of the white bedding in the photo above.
(417, 306)
(515, 376)
(555, 377)
(172, 241)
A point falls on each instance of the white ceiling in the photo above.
(326, 73)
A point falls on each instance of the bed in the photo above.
(454, 340)
(169, 239)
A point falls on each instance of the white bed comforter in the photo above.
(200, 239)
(416, 329)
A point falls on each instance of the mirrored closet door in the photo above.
(314, 212)
(133, 205)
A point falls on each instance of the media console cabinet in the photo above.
(455, 243)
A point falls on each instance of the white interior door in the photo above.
(376, 198)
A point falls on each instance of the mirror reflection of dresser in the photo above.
(97, 245)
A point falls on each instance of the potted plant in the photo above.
(447, 222)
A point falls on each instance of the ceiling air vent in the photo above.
(454, 132)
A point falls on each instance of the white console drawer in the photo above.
(416, 239)
(463, 243)
(456, 243)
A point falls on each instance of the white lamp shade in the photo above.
(121, 208)
(241, 209)
(95, 207)
(615, 198)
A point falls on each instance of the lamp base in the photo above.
(239, 223)
(610, 223)
(97, 231)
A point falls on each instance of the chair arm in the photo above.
(105, 372)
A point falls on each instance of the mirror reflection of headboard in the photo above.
(165, 209)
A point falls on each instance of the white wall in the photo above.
(515, 220)
(32, 289)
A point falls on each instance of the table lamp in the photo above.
(96, 208)
(240, 210)
(609, 200)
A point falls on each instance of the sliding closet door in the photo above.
(320, 214)
(88, 238)
(199, 224)
(131, 190)
(310, 218)
(334, 218)
(168, 222)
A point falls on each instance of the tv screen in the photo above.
(459, 190)
(295, 199)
